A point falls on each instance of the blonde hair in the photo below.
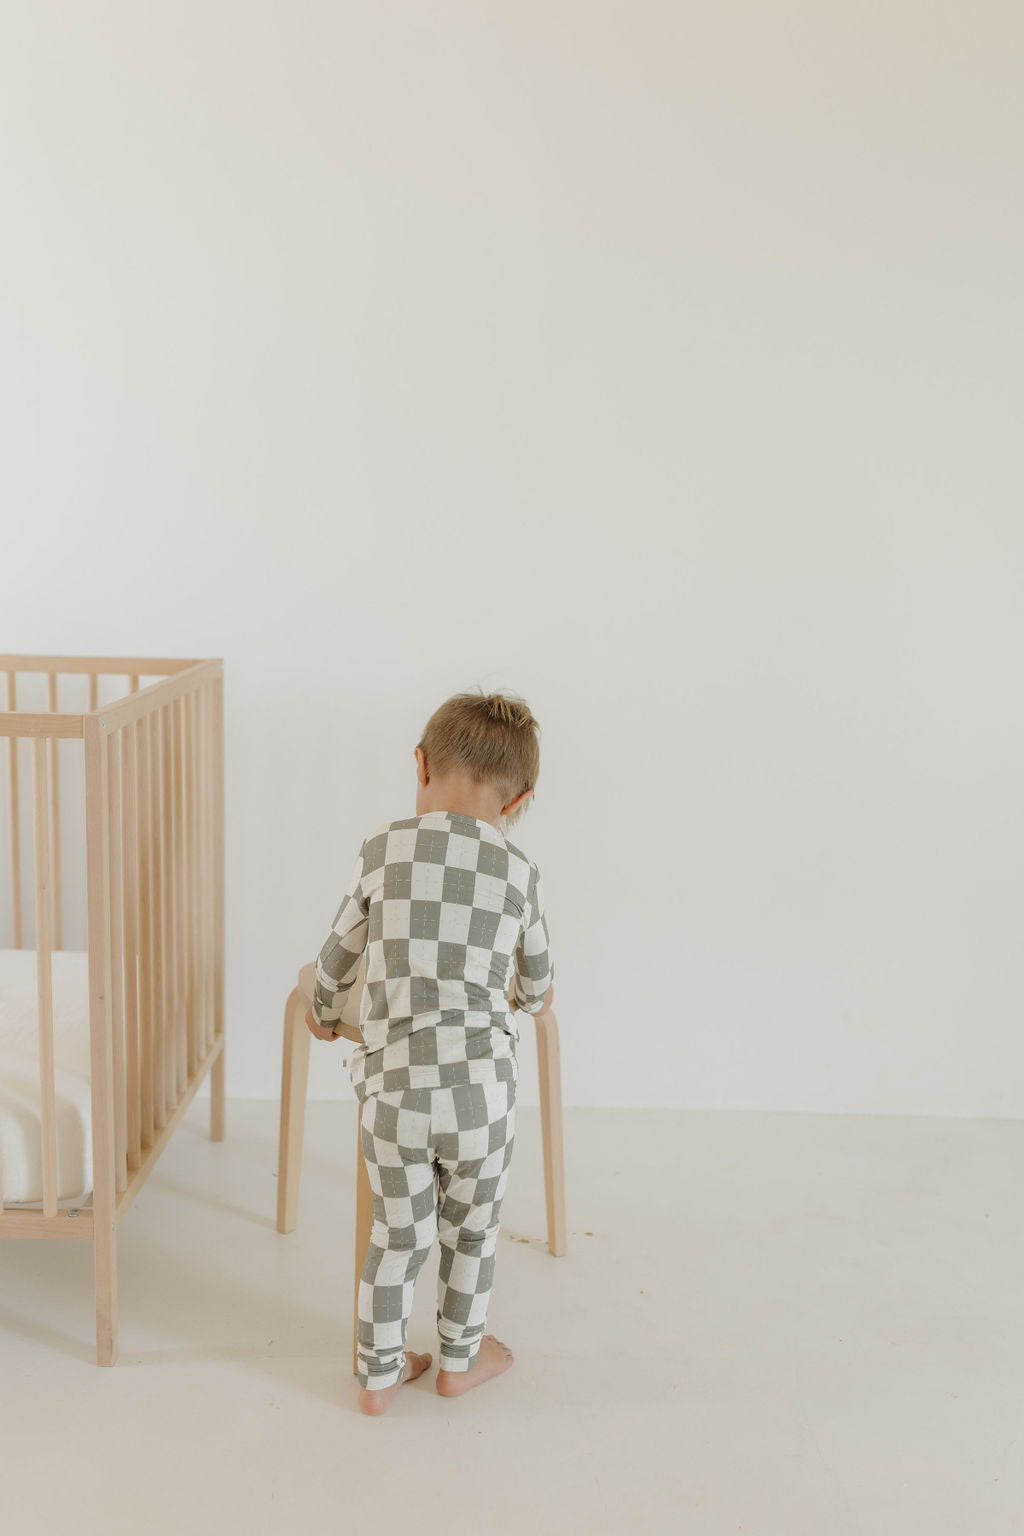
(491, 735)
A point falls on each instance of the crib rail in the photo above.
(154, 844)
(54, 726)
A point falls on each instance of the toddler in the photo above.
(451, 917)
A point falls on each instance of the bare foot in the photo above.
(378, 1402)
(492, 1358)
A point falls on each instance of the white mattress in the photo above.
(21, 1163)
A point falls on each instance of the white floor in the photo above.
(776, 1325)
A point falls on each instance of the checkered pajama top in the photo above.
(449, 913)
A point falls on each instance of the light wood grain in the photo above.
(104, 666)
(167, 1130)
(180, 889)
(29, 1223)
(192, 869)
(130, 853)
(154, 870)
(22, 723)
(217, 1082)
(206, 709)
(294, 1078)
(158, 949)
(549, 1071)
(44, 977)
(101, 1055)
(364, 1228)
(55, 859)
(159, 694)
(147, 930)
(14, 819)
(177, 905)
(115, 957)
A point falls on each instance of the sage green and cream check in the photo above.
(438, 1161)
(450, 914)
(451, 918)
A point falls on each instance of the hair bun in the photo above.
(515, 712)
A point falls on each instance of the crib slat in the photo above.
(130, 846)
(183, 918)
(14, 814)
(217, 803)
(180, 949)
(197, 716)
(170, 833)
(147, 1005)
(116, 950)
(133, 683)
(217, 796)
(201, 940)
(188, 1047)
(207, 898)
(58, 939)
(170, 925)
(94, 690)
(157, 948)
(44, 978)
(170, 967)
(192, 866)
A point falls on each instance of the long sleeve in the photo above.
(338, 961)
(534, 967)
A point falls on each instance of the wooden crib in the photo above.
(152, 864)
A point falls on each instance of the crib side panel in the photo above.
(30, 740)
(163, 909)
(152, 860)
(41, 802)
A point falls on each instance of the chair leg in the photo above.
(217, 1097)
(549, 1071)
(294, 1080)
(364, 1227)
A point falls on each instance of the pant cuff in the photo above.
(379, 1379)
(453, 1363)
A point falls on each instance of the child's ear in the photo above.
(515, 807)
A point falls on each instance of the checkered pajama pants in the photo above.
(438, 1161)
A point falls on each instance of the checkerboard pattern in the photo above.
(438, 1161)
(450, 914)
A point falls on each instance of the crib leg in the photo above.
(105, 1270)
(217, 1097)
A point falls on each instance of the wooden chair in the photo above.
(294, 1079)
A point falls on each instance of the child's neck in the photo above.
(462, 799)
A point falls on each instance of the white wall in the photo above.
(661, 362)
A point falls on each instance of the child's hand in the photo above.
(322, 1031)
(549, 998)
